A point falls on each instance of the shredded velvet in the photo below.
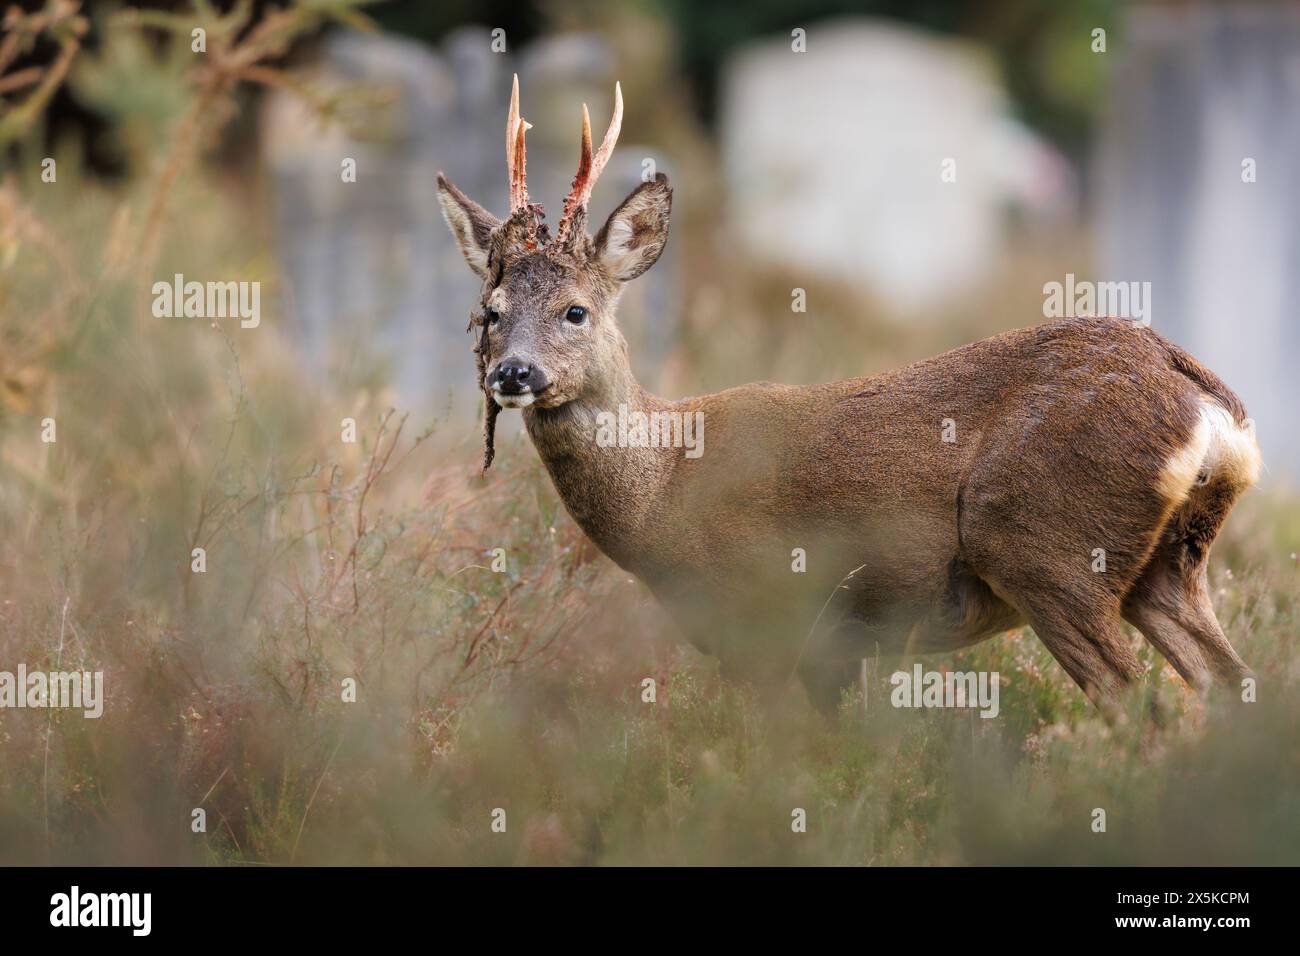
(490, 407)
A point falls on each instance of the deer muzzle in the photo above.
(516, 382)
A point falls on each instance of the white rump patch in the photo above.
(1218, 449)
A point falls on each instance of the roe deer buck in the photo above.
(1083, 434)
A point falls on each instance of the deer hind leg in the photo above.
(1197, 616)
(1170, 602)
(1089, 643)
(1172, 640)
(1049, 579)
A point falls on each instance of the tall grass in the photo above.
(477, 689)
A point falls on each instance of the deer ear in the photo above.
(470, 223)
(631, 240)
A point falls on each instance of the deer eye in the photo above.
(491, 315)
(576, 314)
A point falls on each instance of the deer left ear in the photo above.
(470, 223)
(636, 232)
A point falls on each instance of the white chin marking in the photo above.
(513, 401)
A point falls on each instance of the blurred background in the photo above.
(805, 139)
(857, 185)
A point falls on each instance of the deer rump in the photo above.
(1068, 476)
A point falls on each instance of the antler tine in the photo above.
(611, 137)
(519, 185)
(584, 158)
(516, 154)
(512, 121)
(589, 166)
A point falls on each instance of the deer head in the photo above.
(547, 333)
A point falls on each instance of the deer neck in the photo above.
(611, 491)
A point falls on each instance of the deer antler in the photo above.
(516, 154)
(589, 166)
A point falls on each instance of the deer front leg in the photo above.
(826, 681)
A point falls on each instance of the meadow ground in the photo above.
(479, 690)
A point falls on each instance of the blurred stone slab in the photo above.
(1195, 91)
(832, 160)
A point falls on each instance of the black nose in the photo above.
(515, 376)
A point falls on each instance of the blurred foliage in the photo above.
(431, 22)
(137, 85)
(1043, 46)
(59, 24)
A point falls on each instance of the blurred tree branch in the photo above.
(237, 50)
(62, 23)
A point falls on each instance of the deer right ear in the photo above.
(470, 223)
